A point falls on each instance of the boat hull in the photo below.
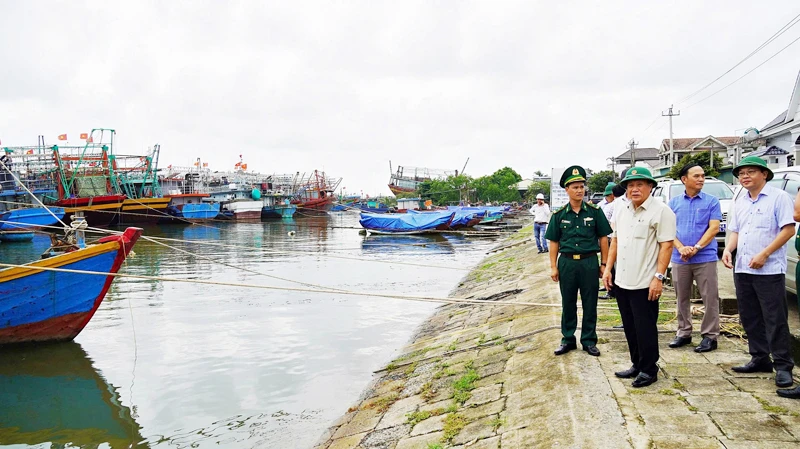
(245, 210)
(193, 213)
(315, 206)
(32, 218)
(44, 306)
(16, 236)
(280, 211)
(398, 190)
(405, 224)
(98, 211)
(142, 211)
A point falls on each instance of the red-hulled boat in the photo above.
(315, 195)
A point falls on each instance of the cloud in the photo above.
(348, 86)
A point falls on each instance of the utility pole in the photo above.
(632, 146)
(671, 114)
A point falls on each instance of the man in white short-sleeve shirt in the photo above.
(641, 247)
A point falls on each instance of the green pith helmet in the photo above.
(635, 173)
(572, 174)
(753, 161)
(609, 189)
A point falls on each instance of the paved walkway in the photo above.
(484, 377)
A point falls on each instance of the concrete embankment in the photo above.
(485, 377)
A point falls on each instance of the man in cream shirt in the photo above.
(641, 247)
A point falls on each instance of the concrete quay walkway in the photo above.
(484, 377)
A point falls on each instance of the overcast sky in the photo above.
(348, 86)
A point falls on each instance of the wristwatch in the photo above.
(660, 276)
(698, 246)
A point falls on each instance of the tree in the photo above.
(538, 173)
(536, 188)
(499, 186)
(703, 159)
(600, 180)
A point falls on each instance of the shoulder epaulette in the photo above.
(562, 207)
(593, 205)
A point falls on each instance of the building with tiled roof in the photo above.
(781, 133)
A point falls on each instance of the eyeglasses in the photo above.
(749, 173)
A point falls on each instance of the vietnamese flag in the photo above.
(62, 137)
(29, 152)
(84, 136)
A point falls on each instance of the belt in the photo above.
(540, 222)
(574, 256)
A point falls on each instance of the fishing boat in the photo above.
(371, 206)
(405, 224)
(136, 177)
(277, 206)
(314, 195)
(16, 236)
(187, 191)
(30, 218)
(53, 396)
(43, 306)
(408, 179)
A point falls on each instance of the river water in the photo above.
(169, 364)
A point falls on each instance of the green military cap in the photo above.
(609, 189)
(753, 161)
(635, 173)
(572, 174)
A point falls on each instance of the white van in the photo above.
(788, 180)
(666, 190)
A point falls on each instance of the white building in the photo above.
(781, 137)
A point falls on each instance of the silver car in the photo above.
(788, 180)
(666, 190)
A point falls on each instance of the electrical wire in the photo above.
(777, 34)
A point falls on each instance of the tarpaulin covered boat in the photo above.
(461, 219)
(405, 223)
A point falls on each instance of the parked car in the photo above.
(666, 190)
(788, 180)
(596, 198)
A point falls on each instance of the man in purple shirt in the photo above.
(760, 227)
(694, 258)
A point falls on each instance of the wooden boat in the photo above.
(16, 236)
(99, 210)
(142, 211)
(53, 396)
(43, 306)
(314, 195)
(408, 179)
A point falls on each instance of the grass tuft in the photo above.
(416, 417)
(453, 424)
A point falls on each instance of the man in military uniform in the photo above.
(577, 231)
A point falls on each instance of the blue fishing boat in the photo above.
(16, 236)
(30, 218)
(38, 305)
(277, 207)
(371, 206)
(405, 223)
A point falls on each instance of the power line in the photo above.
(777, 34)
(751, 71)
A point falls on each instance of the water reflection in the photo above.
(53, 394)
(418, 244)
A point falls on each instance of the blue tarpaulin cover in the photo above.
(404, 222)
(461, 217)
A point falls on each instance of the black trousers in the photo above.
(764, 315)
(640, 320)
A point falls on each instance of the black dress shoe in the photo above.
(619, 326)
(754, 367)
(680, 341)
(629, 373)
(643, 380)
(563, 349)
(793, 393)
(602, 289)
(593, 351)
(783, 378)
(604, 297)
(707, 345)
